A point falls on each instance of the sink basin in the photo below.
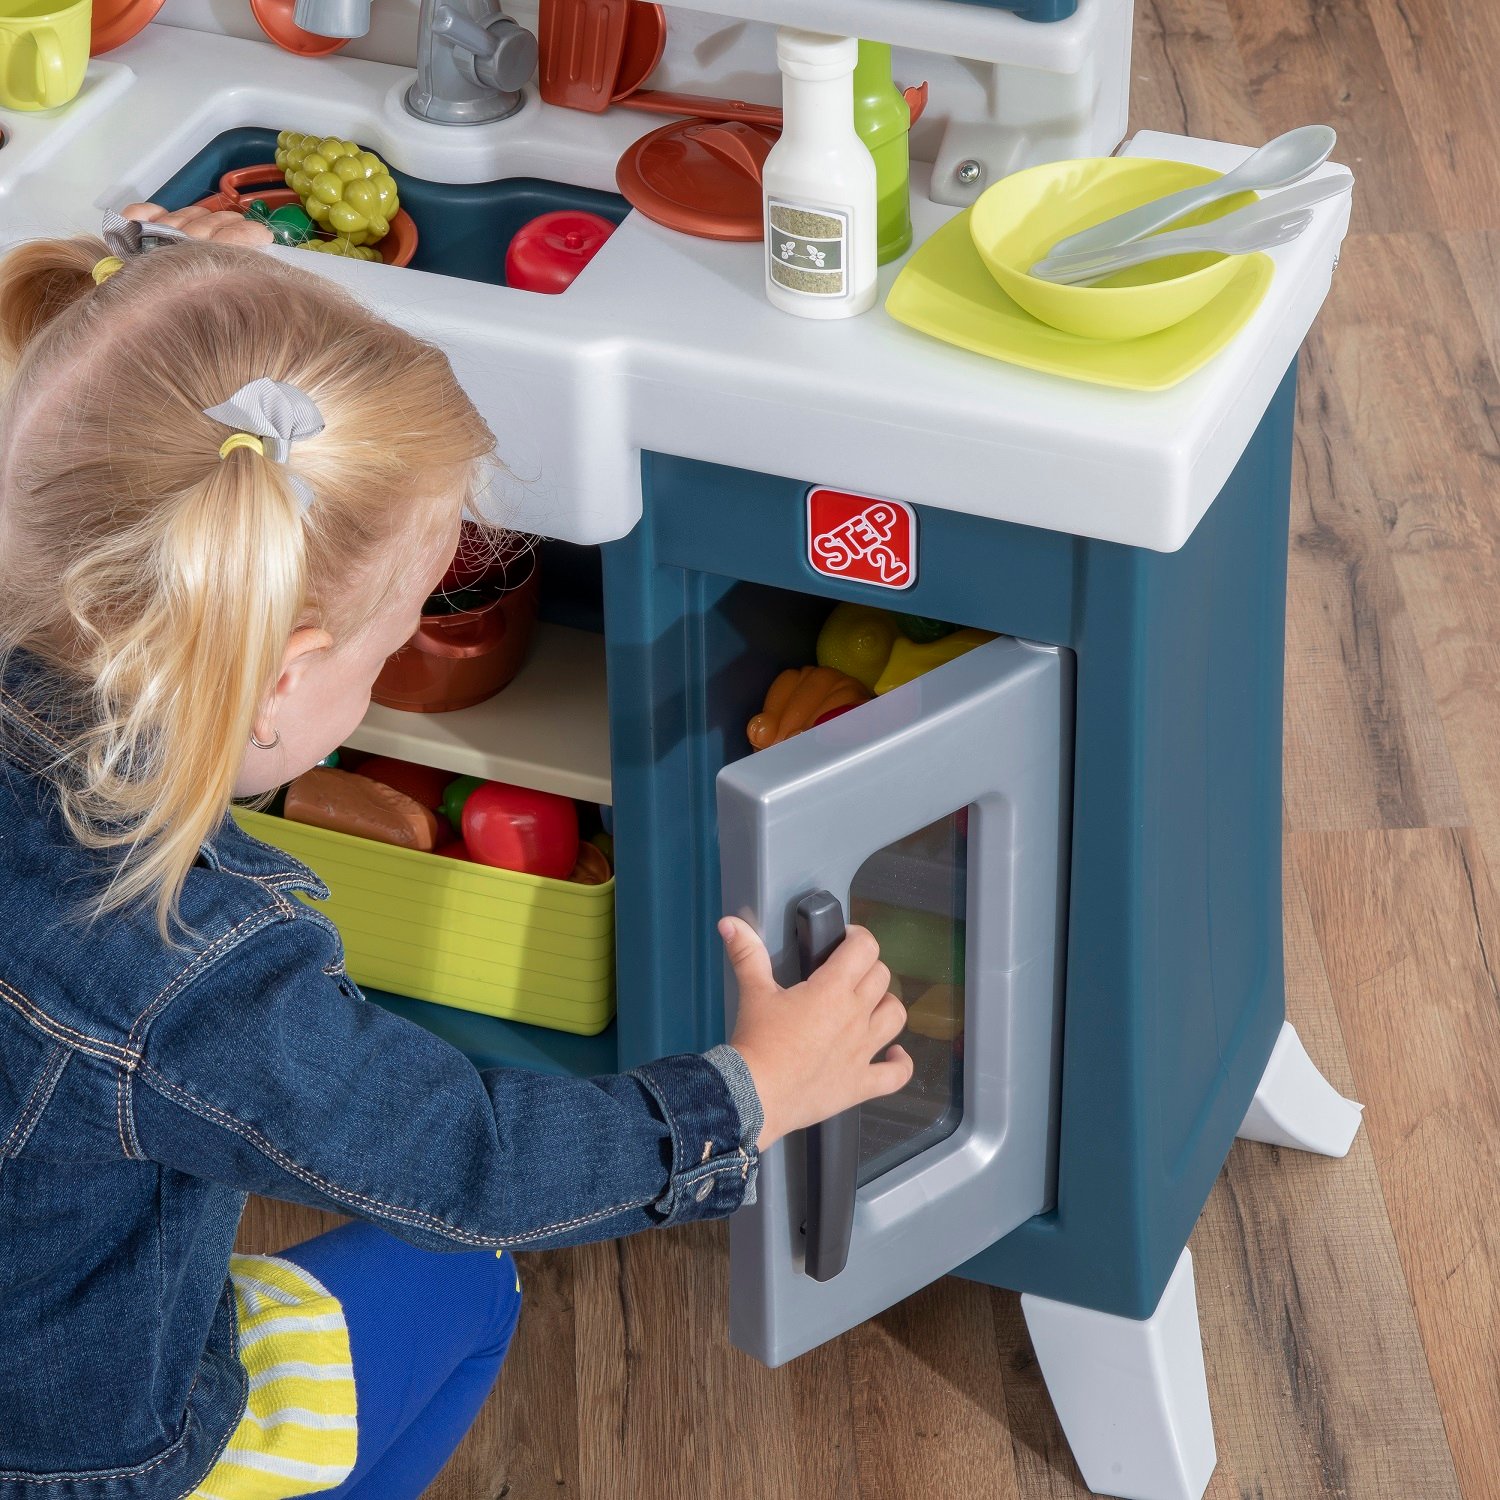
(462, 231)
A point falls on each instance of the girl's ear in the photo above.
(305, 644)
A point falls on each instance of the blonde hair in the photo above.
(156, 584)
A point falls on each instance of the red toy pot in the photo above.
(461, 657)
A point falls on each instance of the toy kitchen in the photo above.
(954, 607)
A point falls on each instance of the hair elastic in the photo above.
(269, 416)
(241, 440)
(125, 238)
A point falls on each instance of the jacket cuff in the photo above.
(742, 1090)
(713, 1167)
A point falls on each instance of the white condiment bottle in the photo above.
(821, 230)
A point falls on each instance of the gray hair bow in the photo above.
(277, 413)
(127, 237)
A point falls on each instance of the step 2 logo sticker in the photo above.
(861, 538)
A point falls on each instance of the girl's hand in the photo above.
(226, 228)
(810, 1048)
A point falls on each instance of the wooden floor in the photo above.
(1351, 1310)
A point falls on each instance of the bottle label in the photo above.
(805, 246)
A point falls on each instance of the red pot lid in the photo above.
(700, 176)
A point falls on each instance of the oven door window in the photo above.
(913, 895)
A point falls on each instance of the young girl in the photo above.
(225, 491)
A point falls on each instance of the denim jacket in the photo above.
(145, 1089)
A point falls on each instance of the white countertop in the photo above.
(665, 341)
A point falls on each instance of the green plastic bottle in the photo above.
(882, 119)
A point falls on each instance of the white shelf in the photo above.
(549, 729)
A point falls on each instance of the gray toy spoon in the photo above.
(1239, 239)
(1257, 226)
(1279, 163)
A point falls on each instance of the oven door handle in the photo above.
(833, 1146)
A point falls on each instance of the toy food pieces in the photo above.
(593, 868)
(801, 697)
(421, 783)
(938, 1013)
(923, 946)
(347, 802)
(516, 828)
(857, 639)
(546, 254)
(911, 659)
(455, 795)
(882, 650)
(921, 629)
(344, 189)
(289, 225)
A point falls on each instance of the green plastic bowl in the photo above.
(1017, 221)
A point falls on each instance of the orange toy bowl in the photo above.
(237, 190)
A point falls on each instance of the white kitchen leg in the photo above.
(1131, 1395)
(1296, 1105)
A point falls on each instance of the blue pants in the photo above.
(428, 1331)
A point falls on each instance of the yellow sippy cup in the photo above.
(44, 51)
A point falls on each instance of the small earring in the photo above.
(270, 744)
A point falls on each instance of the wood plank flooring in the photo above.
(1351, 1311)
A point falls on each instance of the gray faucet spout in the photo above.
(472, 62)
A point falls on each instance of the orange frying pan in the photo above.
(595, 53)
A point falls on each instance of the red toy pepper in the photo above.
(516, 828)
(552, 249)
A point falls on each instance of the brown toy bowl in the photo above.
(457, 659)
(238, 189)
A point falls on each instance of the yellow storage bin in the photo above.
(521, 947)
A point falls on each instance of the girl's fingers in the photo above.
(887, 1021)
(244, 232)
(220, 225)
(854, 957)
(874, 985)
(184, 218)
(890, 1074)
(747, 954)
(200, 223)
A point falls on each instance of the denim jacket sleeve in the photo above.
(271, 1073)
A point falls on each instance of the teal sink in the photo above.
(462, 231)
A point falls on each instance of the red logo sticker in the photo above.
(857, 537)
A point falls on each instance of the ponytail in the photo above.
(42, 281)
(175, 694)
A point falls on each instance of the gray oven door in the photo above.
(936, 815)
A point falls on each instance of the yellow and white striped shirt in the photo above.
(299, 1432)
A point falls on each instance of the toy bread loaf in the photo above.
(798, 699)
(349, 803)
